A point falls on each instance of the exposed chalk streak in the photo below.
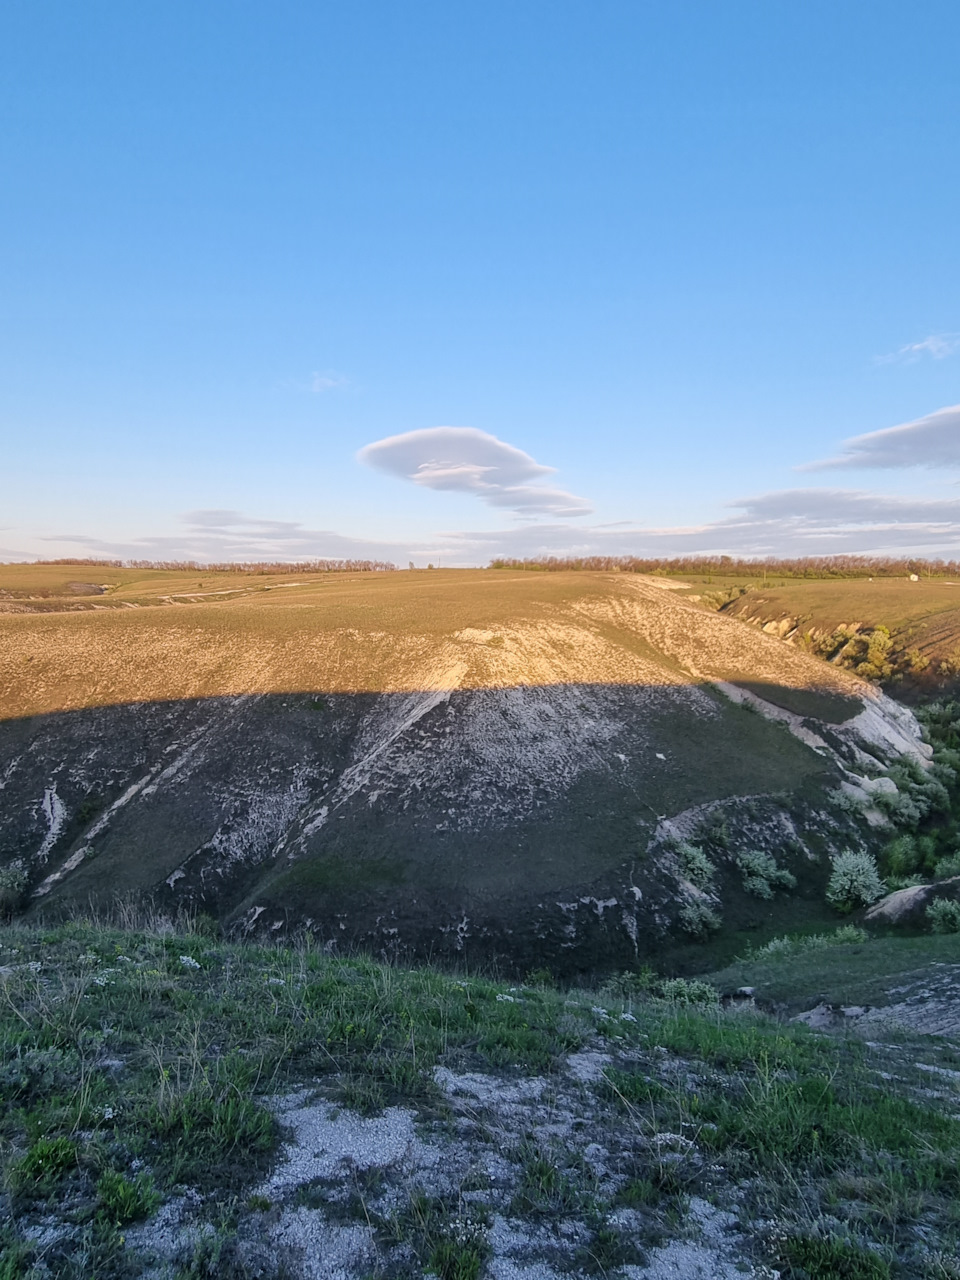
(146, 785)
(55, 812)
(358, 775)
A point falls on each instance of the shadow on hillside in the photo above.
(432, 811)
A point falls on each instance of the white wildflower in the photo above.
(502, 999)
(188, 962)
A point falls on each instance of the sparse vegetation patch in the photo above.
(587, 1131)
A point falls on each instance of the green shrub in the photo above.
(918, 794)
(645, 983)
(13, 890)
(761, 875)
(631, 983)
(698, 919)
(947, 867)
(944, 916)
(688, 991)
(697, 867)
(843, 936)
(894, 883)
(779, 947)
(29, 1075)
(901, 857)
(854, 881)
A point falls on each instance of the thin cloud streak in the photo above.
(221, 535)
(793, 522)
(938, 346)
(328, 380)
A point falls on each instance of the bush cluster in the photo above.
(844, 936)
(698, 919)
(761, 875)
(644, 984)
(697, 867)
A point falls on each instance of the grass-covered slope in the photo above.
(901, 632)
(464, 761)
(177, 1106)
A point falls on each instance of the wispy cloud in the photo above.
(328, 380)
(937, 347)
(215, 534)
(933, 441)
(467, 460)
(790, 522)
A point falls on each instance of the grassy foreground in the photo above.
(135, 1063)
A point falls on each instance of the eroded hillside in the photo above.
(467, 760)
(899, 631)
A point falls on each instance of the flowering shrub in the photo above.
(854, 881)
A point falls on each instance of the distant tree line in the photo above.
(246, 566)
(801, 567)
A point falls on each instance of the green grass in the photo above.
(923, 618)
(834, 708)
(803, 1123)
(339, 875)
(827, 1258)
(43, 1166)
(126, 1199)
(850, 974)
(447, 1240)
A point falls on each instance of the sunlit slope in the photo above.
(385, 633)
(923, 619)
(441, 760)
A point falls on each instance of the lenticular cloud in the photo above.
(471, 461)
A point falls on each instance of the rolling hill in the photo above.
(474, 762)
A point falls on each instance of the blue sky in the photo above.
(668, 254)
